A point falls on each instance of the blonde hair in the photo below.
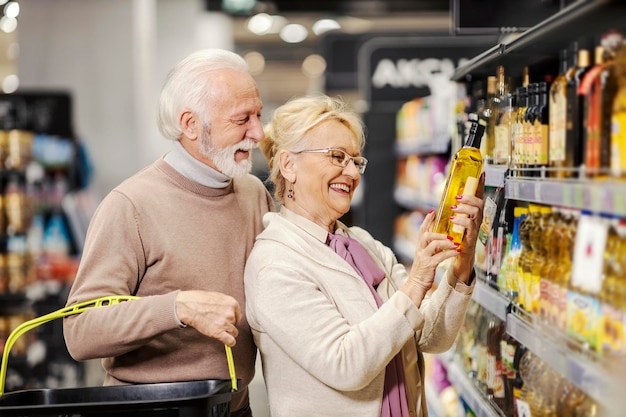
(293, 120)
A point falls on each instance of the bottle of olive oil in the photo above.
(463, 176)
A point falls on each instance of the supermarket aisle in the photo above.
(258, 394)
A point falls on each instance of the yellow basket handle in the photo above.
(77, 309)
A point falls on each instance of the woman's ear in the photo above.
(287, 165)
(189, 124)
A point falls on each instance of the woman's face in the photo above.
(322, 191)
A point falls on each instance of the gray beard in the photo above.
(224, 159)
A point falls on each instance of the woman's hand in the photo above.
(432, 249)
(472, 208)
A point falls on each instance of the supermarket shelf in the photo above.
(600, 196)
(407, 197)
(492, 300)
(590, 376)
(457, 376)
(542, 42)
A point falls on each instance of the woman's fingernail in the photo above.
(458, 250)
(431, 211)
(452, 207)
(456, 243)
(451, 217)
(449, 237)
(458, 197)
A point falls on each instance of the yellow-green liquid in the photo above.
(466, 163)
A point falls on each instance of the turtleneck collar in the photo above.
(179, 159)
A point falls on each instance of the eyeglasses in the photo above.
(340, 158)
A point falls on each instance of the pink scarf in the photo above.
(394, 395)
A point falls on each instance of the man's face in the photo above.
(234, 128)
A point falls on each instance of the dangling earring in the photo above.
(290, 193)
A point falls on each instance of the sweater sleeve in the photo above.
(113, 263)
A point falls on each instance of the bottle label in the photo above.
(618, 142)
(502, 143)
(523, 409)
(557, 128)
(471, 184)
(489, 214)
(583, 317)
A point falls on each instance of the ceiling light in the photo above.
(294, 33)
(260, 24)
(8, 24)
(10, 83)
(324, 25)
(12, 9)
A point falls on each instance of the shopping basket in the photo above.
(207, 398)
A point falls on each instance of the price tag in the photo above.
(619, 201)
(538, 192)
(589, 253)
(567, 196)
(579, 198)
(512, 190)
(523, 409)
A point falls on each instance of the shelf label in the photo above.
(589, 254)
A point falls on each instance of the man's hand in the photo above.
(211, 313)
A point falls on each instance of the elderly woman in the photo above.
(340, 324)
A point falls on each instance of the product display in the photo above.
(550, 255)
(37, 249)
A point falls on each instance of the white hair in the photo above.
(187, 86)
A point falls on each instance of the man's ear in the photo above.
(189, 124)
(287, 165)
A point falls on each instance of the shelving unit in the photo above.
(471, 395)
(539, 46)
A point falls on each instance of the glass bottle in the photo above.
(558, 109)
(573, 125)
(490, 114)
(504, 130)
(528, 140)
(463, 176)
(618, 131)
(517, 130)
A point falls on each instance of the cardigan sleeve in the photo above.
(443, 310)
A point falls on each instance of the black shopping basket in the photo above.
(207, 398)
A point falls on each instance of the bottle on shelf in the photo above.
(611, 337)
(517, 131)
(590, 91)
(573, 125)
(618, 118)
(501, 120)
(511, 259)
(492, 105)
(540, 129)
(503, 130)
(557, 113)
(608, 86)
(463, 177)
(526, 257)
(527, 128)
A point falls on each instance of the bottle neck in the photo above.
(476, 131)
